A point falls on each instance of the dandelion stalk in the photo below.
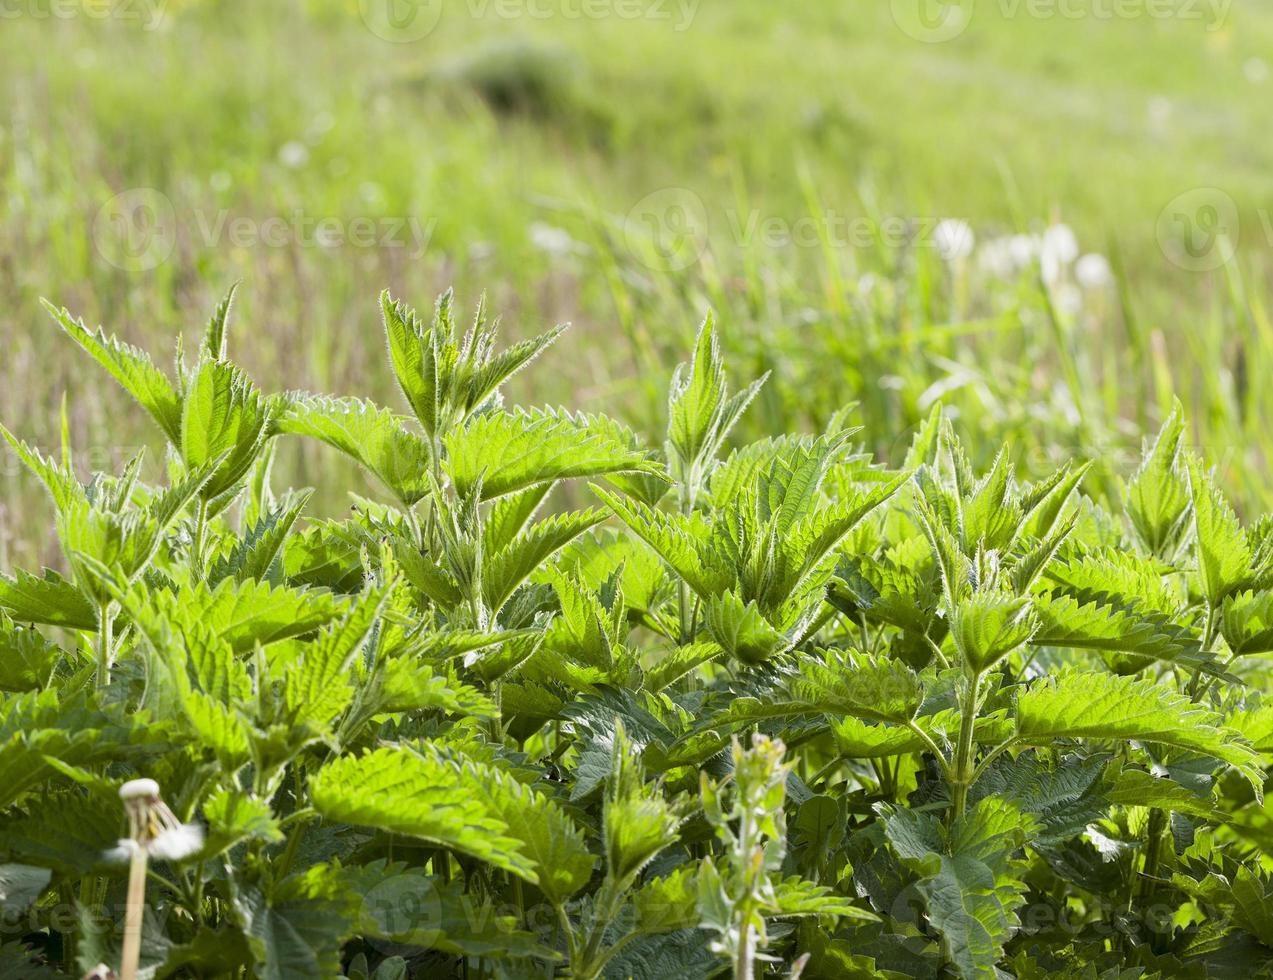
(153, 830)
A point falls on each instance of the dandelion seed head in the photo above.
(954, 239)
(139, 789)
(293, 154)
(551, 239)
(1093, 271)
(177, 843)
(122, 852)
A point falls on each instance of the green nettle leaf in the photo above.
(20, 886)
(296, 929)
(258, 554)
(445, 382)
(968, 877)
(547, 836)
(1246, 622)
(224, 417)
(50, 600)
(838, 685)
(243, 614)
(373, 436)
(1097, 621)
(511, 451)
(1101, 706)
(27, 659)
(741, 629)
(464, 805)
(1224, 555)
(62, 484)
(988, 626)
(404, 792)
(637, 820)
(1158, 495)
(214, 334)
(504, 570)
(680, 541)
(700, 411)
(132, 368)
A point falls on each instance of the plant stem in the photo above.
(133, 916)
(932, 747)
(105, 623)
(200, 533)
(962, 775)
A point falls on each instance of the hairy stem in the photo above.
(105, 655)
(200, 534)
(963, 772)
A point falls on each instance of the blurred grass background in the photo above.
(628, 164)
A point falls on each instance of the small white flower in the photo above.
(1256, 70)
(996, 258)
(293, 154)
(1068, 299)
(1159, 110)
(954, 239)
(1024, 249)
(1060, 242)
(1093, 271)
(551, 239)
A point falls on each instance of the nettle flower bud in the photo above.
(153, 826)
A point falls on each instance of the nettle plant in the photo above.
(773, 709)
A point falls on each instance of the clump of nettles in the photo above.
(464, 729)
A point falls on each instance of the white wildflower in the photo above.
(1093, 271)
(1024, 249)
(1057, 249)
(294, 154)
(1061, 242)
(1068, 299)
(954, 239)
(996, 258)
(551, 239)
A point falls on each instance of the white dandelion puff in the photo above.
(551, 239)
(293, 154)
(177, 843)
(954, 239)
(1093, 271)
